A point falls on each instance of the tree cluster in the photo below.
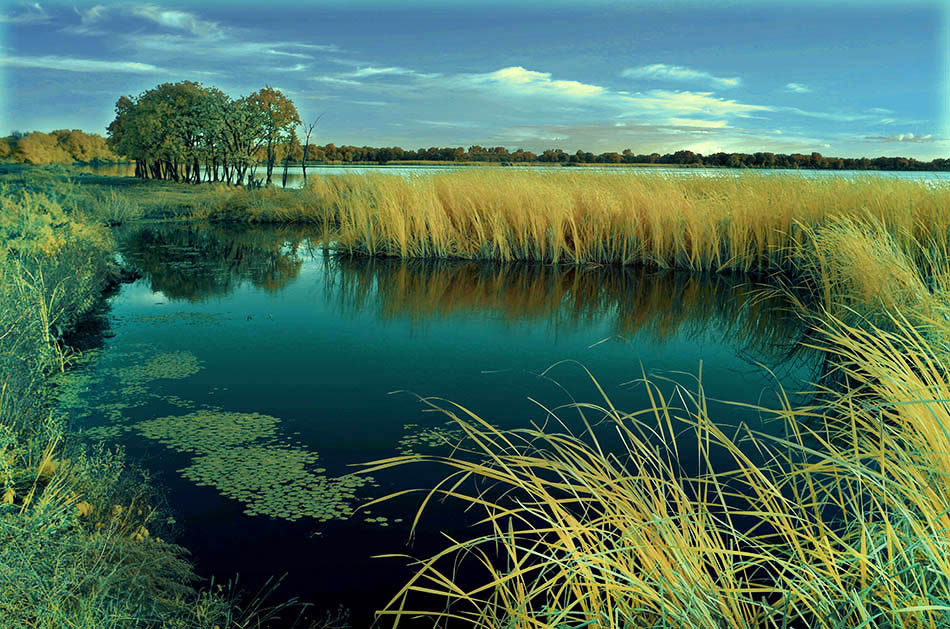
(191, 133)
(63, 146)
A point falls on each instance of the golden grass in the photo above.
(755, 222)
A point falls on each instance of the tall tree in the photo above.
(279, 118)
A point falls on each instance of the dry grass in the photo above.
(756, 222)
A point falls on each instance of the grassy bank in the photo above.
(81, 533)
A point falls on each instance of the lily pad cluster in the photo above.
(165, 366)
(184, 318)
(431, 437)
(277, 481)
(207, 431)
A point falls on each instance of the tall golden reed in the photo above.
(753, 222)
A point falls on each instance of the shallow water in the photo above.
(248, 370)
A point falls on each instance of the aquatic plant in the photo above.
(277, 481)
(207, 431)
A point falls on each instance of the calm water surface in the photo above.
(295, 173)
(249, 370)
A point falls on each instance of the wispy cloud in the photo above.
(663, 72)
(72, 64)
(446, 123)
(702, 124)
(797, 88)
(228, 47)
(686, 102)
(333, 80)
(177, 20)
(28, 13)
(300, 67)
(904, 137)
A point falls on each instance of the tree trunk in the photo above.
(270, 160)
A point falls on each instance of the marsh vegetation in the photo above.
(657, 504)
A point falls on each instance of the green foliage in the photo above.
(185, 131)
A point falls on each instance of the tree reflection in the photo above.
(195, 262)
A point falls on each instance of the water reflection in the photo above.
(196, 263)
(638, 301)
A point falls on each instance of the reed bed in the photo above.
(748, 223)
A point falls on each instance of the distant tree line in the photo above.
(63, 146)
(333, 153)
(191, 133)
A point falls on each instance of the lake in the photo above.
(295, 173)
(248, 370)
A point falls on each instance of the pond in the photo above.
(248, 370)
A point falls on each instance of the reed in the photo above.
(752, 223)
(842, 523)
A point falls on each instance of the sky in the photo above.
(843, 78)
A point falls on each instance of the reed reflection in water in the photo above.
(640, 301)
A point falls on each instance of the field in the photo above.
(842, 522)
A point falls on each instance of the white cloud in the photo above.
(798, 88)
(71, 64)
(516, 79)
(663, 72)
(332, 80)
(228, 47)
(31, 13)
(685, 102)
(370, 71)
(705, 124)
(300, 67)
(441, 123)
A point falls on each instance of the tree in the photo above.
(290, 151)
(306, 147)
(279, 117)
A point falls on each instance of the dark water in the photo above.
(248, 370)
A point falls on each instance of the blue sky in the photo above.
(841, 78)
